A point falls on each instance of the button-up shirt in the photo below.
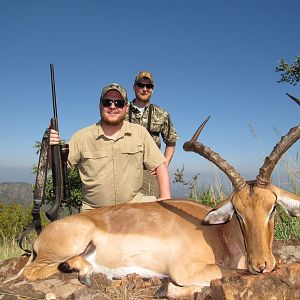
(111, 171)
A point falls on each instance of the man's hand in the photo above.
(54, 137)
(153, 173)
(163, 198)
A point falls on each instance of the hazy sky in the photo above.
(208, 58)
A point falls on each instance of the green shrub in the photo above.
(286, 227)
(14, 218)
(74, 203)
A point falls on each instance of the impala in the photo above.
(170, 238)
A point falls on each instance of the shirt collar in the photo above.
(135, 108)
(125, 130)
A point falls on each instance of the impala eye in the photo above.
(273, 210)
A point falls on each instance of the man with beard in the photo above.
(156, 120)
(111, 153)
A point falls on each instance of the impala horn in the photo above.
(294, 98)
(236, 179)
(263, 179)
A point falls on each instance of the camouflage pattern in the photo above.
(161, 124)
(114, 86)
(143, 74)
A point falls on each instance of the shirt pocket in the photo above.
(94, 163)
(157, 125)
(133, 155)
(132, 149)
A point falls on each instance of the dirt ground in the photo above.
(133, 287)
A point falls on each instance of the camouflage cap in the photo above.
(117, 87)
(143, 74)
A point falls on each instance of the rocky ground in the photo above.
(66, 286)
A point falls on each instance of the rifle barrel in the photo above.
(53, 92)
(56, 163)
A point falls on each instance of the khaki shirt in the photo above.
(111, 171)
(161, 123)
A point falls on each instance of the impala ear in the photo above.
(289, 201)
(220, 215)
(291, 206)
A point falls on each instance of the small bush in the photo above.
(14, 218)
(286, 227)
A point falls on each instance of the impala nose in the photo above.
(261, 264)
(258, 267)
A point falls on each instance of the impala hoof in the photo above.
(85, 279)
(162, 292)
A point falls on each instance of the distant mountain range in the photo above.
(16, 192)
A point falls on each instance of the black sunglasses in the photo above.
(109, 102)
(147, 85)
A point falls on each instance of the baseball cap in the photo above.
(117, 87)
(143, 74)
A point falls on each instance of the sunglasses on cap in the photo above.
(147, 85)
(109, 102)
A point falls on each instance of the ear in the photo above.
(289, 201)
(127, 107)
(221, 215)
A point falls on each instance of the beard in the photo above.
(112, 119)
(143, 98)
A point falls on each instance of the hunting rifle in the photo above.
(59, 157)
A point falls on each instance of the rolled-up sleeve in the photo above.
(169, 134)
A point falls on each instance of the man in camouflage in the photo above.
(156, 120)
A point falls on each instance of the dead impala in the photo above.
(169, 238)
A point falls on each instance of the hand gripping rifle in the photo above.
(59, 158)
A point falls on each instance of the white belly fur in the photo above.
(122, 271)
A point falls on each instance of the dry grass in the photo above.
(10, 248)
(129, 292)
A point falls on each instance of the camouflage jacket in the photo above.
(158, 123)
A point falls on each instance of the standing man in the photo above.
(110, 155)
(156, 120)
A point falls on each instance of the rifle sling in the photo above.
(39, 191)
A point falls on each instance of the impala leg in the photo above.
(78, 264)
(39, 270)
(191, 278)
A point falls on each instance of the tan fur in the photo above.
(254, 204)
(165, 237)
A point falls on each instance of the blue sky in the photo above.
(208, 58)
